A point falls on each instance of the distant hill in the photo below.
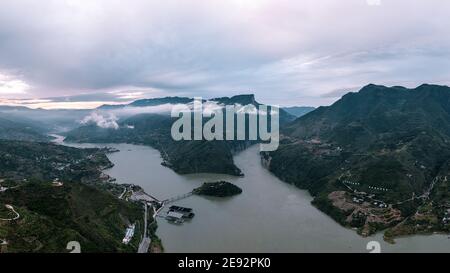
(42, 119)
(298, 111)
(148, 102)
(12, 108)
(46, 161)
(15, 128)
(395, 139)
(239, 99)
(160, 101)
(182, 156)
(249, 99)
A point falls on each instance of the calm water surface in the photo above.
(269, 216)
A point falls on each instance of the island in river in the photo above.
(218, 189)
(268, 216)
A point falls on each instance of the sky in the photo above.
(80, 54)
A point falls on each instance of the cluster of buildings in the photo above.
(129, 233)
(378, 188)
(320, 148)
(361, 197)
(175, 217)
(380, 204)
(351, 183)
(348, 182)
(377, 203)
(178, 214)
(358, 200)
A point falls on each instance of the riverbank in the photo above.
(267, 208)
(269, 215)
(127, 192)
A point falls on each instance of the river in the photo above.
(269, 215)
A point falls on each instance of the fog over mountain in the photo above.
(281, 125)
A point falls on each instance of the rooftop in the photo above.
(175, 214)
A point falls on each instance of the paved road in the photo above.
(426, 194)
(145, 243)
(12, 209)
(123, 193)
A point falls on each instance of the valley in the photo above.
(375, 161)
(380, 165)
(282, 217)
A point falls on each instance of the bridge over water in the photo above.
(177, 198)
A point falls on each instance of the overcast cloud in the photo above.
(298, 52)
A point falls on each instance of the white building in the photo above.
(129, 234)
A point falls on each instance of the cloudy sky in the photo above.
(297, 52)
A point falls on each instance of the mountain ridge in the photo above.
(381, 137)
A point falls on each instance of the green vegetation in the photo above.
(53, 216)
(45, 161)
(12, 128)
(394, 139)
(218, 189)
(6, 213)
(153, 130)
(83, 208)
(156, 246)
(324, 204)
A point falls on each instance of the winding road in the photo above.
(13, 210)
